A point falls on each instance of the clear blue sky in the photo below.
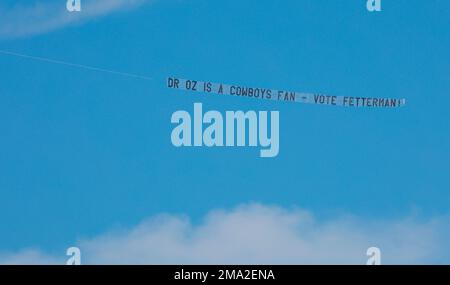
(82, 152)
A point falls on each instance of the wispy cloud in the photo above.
(258, 234)
(38, 17)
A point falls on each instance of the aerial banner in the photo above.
(281, 95)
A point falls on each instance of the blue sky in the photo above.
(82, 152)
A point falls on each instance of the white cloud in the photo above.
(258, 234)
(20, 20)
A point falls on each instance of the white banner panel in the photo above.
(281, 95)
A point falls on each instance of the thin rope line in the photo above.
(81, 66)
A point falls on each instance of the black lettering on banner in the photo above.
(250, 92)
(344, 101)
(333, 100)
(207, 87)
(263, 92)
(280, 95)
(350, 101)
(191, 85)
(375, 102)
(254, 92)
(364, 101)
(242, 91)
(232, 90)
(173, 82)
(322, 99)
(289, 96)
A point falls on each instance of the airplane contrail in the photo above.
(75, 65)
